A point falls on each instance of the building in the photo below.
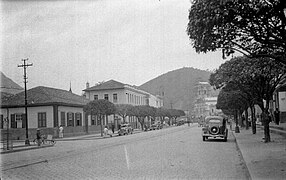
(206, 100)
(47, 109)
(279, 101)
(119, 93)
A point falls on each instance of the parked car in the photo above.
(215, 127)
(154, 127)
(125, 129)
(179, 123)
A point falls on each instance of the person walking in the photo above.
(112, 128)
(61, 131)
(39, 137)
(277, 116)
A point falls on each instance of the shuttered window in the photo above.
(13, 121)
(78, 118)
(63, 118)
(42, 119)
(70, 118)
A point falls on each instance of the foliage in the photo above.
(100, 107)
(123, 110)
(255, 28)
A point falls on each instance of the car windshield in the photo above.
(214, 121)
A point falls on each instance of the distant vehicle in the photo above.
(154, 126)
(215, 127)
(125, 129)
(179, 123)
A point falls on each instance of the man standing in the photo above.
(277, 116)
(61, 131)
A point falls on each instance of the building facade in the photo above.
(47, 109)
(206, 100)
(119, 93)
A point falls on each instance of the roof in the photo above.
(111, 84)
(45, 96)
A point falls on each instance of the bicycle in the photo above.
(44, 140)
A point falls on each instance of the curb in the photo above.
(240, 153)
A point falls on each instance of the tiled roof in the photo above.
(45, 95)
(111, 84)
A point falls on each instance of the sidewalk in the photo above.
(263, 160)
(19, 145)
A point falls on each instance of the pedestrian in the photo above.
(277, 116)
(39, 137)
(106, 132)
(112, 128)
(61, 131)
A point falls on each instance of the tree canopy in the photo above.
(256, 28)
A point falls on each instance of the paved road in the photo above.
(173, 153)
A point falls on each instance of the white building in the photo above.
(119, 93)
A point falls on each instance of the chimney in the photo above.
(87, 85)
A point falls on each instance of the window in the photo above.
(93, 119)
(115, 98)
(13, 121)
(78, 119)
(106, 96)
(63, 118)
(98, 120)
(70, 118)
(18, 117)
(42, 119)
(96, 97)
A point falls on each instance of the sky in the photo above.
(74, 42)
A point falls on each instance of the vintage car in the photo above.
(125, 129)
(214, 127)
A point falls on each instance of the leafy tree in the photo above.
(141, 113)
(100, 108)
(162, 113)
(123, 110)
(258, 78)
(255, 28)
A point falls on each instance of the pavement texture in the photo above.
(263, 160)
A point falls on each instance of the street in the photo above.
(170, 153)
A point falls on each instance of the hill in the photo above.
(177, 87)
(8, 86)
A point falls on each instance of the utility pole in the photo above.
(25, 65)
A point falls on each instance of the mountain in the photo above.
(177, 87)
(8, 86)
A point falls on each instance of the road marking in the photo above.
(127, 158)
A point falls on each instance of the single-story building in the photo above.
(47, 108)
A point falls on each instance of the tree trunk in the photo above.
(246, 119)
(266, 123)
(101, 130)
(253, 119)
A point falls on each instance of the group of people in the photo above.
(106, 130)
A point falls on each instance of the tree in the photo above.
(123, 110)
(141, 112)
(254, 28)
(256, 77)
(100, 108)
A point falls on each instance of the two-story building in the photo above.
(120, 93)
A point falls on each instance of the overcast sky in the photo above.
(131, 41)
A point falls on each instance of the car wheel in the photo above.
(204, 138)
(225, 138)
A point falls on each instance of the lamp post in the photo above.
(25, 65)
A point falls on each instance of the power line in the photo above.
(25, 65)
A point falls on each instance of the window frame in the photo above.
(42, 119)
